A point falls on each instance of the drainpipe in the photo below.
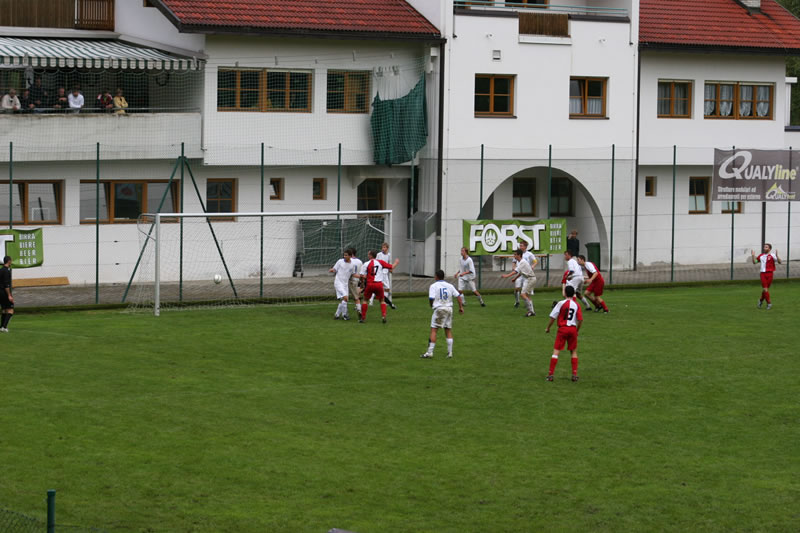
(636, 182)
(440, 160)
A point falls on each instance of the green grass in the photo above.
(282, 419)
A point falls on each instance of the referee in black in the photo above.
(6, 299)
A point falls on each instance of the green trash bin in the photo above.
(593, 253)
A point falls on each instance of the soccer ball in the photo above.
(217, 279)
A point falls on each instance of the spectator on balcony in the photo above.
(39, 96)
(120, 104)
(75, 100)
(10, 102)
(26, 102)
(105, 102)
(60, 102)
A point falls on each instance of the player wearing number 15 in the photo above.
(441, 296)
(569, 316)
(375, 271)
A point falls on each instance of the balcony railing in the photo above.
(72, 14)
(530, 5)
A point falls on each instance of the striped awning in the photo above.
(89, 53)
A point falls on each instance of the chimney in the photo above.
(752, 5)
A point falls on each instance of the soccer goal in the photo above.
(224, 259)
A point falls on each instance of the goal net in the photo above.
(197, 259)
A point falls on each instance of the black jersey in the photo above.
(5, 278)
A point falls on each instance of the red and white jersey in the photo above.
(591, 268)
(767, 262)
(568, 312)
(376, 270)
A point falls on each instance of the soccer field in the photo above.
(281, 419)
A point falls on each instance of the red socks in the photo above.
(364, 307)
(575, 366)
(383, 309)
(553, 363)
(766, 297)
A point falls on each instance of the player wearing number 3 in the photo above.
(767, 260)
(441, 296)
(569, 316)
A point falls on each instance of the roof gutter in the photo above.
(717, 49)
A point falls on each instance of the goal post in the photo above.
(224, 259)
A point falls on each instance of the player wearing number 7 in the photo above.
(375, 271)
(569, 316)
(441, 296)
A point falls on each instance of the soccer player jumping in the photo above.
(569, 315)
(767, 260)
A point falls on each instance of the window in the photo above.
(413, 183)
(524, 197)
(674, 99)
(738, 101)
(698, 195)
(527, 2)
(348, 92)
(561, 203)
(729, 207)
(650, 186)
(587, 97)
(494, 95)
(263, 90)
(33, 202)
(370, 195)
(318, 189)
(276, 184)
(220, 196)
(124, 201)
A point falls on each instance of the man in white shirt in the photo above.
(384, 255)
(355, 280)
(440, 296)
(466, 276)
(531, 259)
(344, 270)
(524, 271)
(75, 99)
(10, 102)
(575, 278)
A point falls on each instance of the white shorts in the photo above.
(341, 289)
(442, 318)
(576, 283)
(466, 283)
(387, 283)
(519, 282)
(528, 284)
(355, 292)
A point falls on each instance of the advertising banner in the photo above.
(500, 237)
(25, 247)
(754, 175)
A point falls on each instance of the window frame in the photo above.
(737, 87)
(585, 97)
(532, 183)
(381, 195)
(108, 185)
(237, 90)
(264, 101)
(571, 211)
(738, 209)
(25, 205)
(348, 95)
(491, 94)
(323, 195)
(707, 181)
(672, 99)
(281, 188)
(652, 181)
(233, 199)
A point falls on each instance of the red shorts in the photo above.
(596, 287)
(766, 279)
(566, 335)
(374, 288)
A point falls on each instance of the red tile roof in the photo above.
(381, 18)
(718, 24)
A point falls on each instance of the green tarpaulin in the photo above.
(400, 126)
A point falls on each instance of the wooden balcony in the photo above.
(72, 14)
(549, 24)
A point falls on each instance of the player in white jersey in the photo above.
(384, 255)
(575, 278)
(524, 271)
(466, 276)
(355, 280)
(441, 295)
(343, 270)
(531, 259)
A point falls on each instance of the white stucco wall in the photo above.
(132, 19)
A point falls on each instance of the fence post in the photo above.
(51, 511)
(339, 181)
(411, 226)
(733, 214)
(789, 225)
(549, 201)
(672, 243)
(97, 229)
(180, 259)
(480, 217)
(611, 245)
(261, 254)
(11, 185)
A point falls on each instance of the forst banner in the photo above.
(25, 247)
(501, 237)
(756, 175)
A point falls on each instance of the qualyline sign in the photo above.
(757, 175)
(502, 237)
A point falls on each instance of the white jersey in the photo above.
(467, 269)
(344, 270)
(442, 294)
(357, 264)
(574, 268)
(524, 269)
(387, 277)
(530, 258)
(384, 257)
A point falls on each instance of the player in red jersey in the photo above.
(595, 284)
(375, 272)
(767, 260)
(570, 317)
